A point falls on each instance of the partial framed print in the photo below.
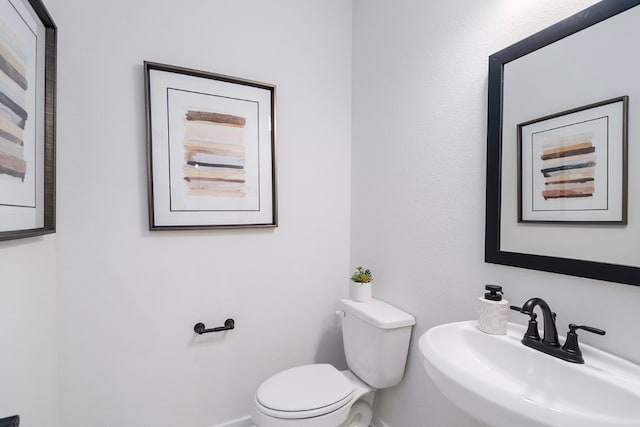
(27, 119)
(573, 165)
(210, 150)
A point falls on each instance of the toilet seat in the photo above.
(353, 411)
(304, 392)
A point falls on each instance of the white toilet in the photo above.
(376, 340)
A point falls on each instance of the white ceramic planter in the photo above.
(360, 292)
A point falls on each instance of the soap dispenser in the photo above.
(493, 311)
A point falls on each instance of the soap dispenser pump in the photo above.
(493, 311)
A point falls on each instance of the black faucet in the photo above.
(550, 344)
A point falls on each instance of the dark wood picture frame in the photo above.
(613, 122)
(48, 116)
(200, 174)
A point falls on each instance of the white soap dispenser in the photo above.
(493, 311)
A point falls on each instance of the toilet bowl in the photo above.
(376, 340)
(313, 396)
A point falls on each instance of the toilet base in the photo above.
(360, 415)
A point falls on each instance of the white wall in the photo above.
(128, 297)
(418, 173)
(28, 331)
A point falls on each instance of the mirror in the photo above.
(564, 73)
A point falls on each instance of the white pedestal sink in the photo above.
(498, 380)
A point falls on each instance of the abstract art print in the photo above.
(573, 165)
(27, 119)
(211, 150)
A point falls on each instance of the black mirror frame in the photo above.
(589, 269)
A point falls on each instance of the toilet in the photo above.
(376, 341)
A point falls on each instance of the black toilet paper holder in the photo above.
(229, 324)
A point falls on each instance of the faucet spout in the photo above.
(550, 336)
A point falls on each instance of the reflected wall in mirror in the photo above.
(579, 61)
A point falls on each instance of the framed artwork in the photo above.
(210, 150)
(572, 166)
(27, 119)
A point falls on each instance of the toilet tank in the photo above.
(376, 341)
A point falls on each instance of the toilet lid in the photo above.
(319, 388)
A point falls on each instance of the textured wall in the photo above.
(128, 297)
(28, 331)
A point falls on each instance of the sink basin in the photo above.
(499, 381)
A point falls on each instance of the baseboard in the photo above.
(240, 422)
(246, 422)
(377, 422)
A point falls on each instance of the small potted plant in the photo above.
(360, 288)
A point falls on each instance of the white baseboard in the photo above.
(240, 422)
(246, 422)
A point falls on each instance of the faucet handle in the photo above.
(532, 329)
(571, 343)
(531, 314)
(573, 328)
